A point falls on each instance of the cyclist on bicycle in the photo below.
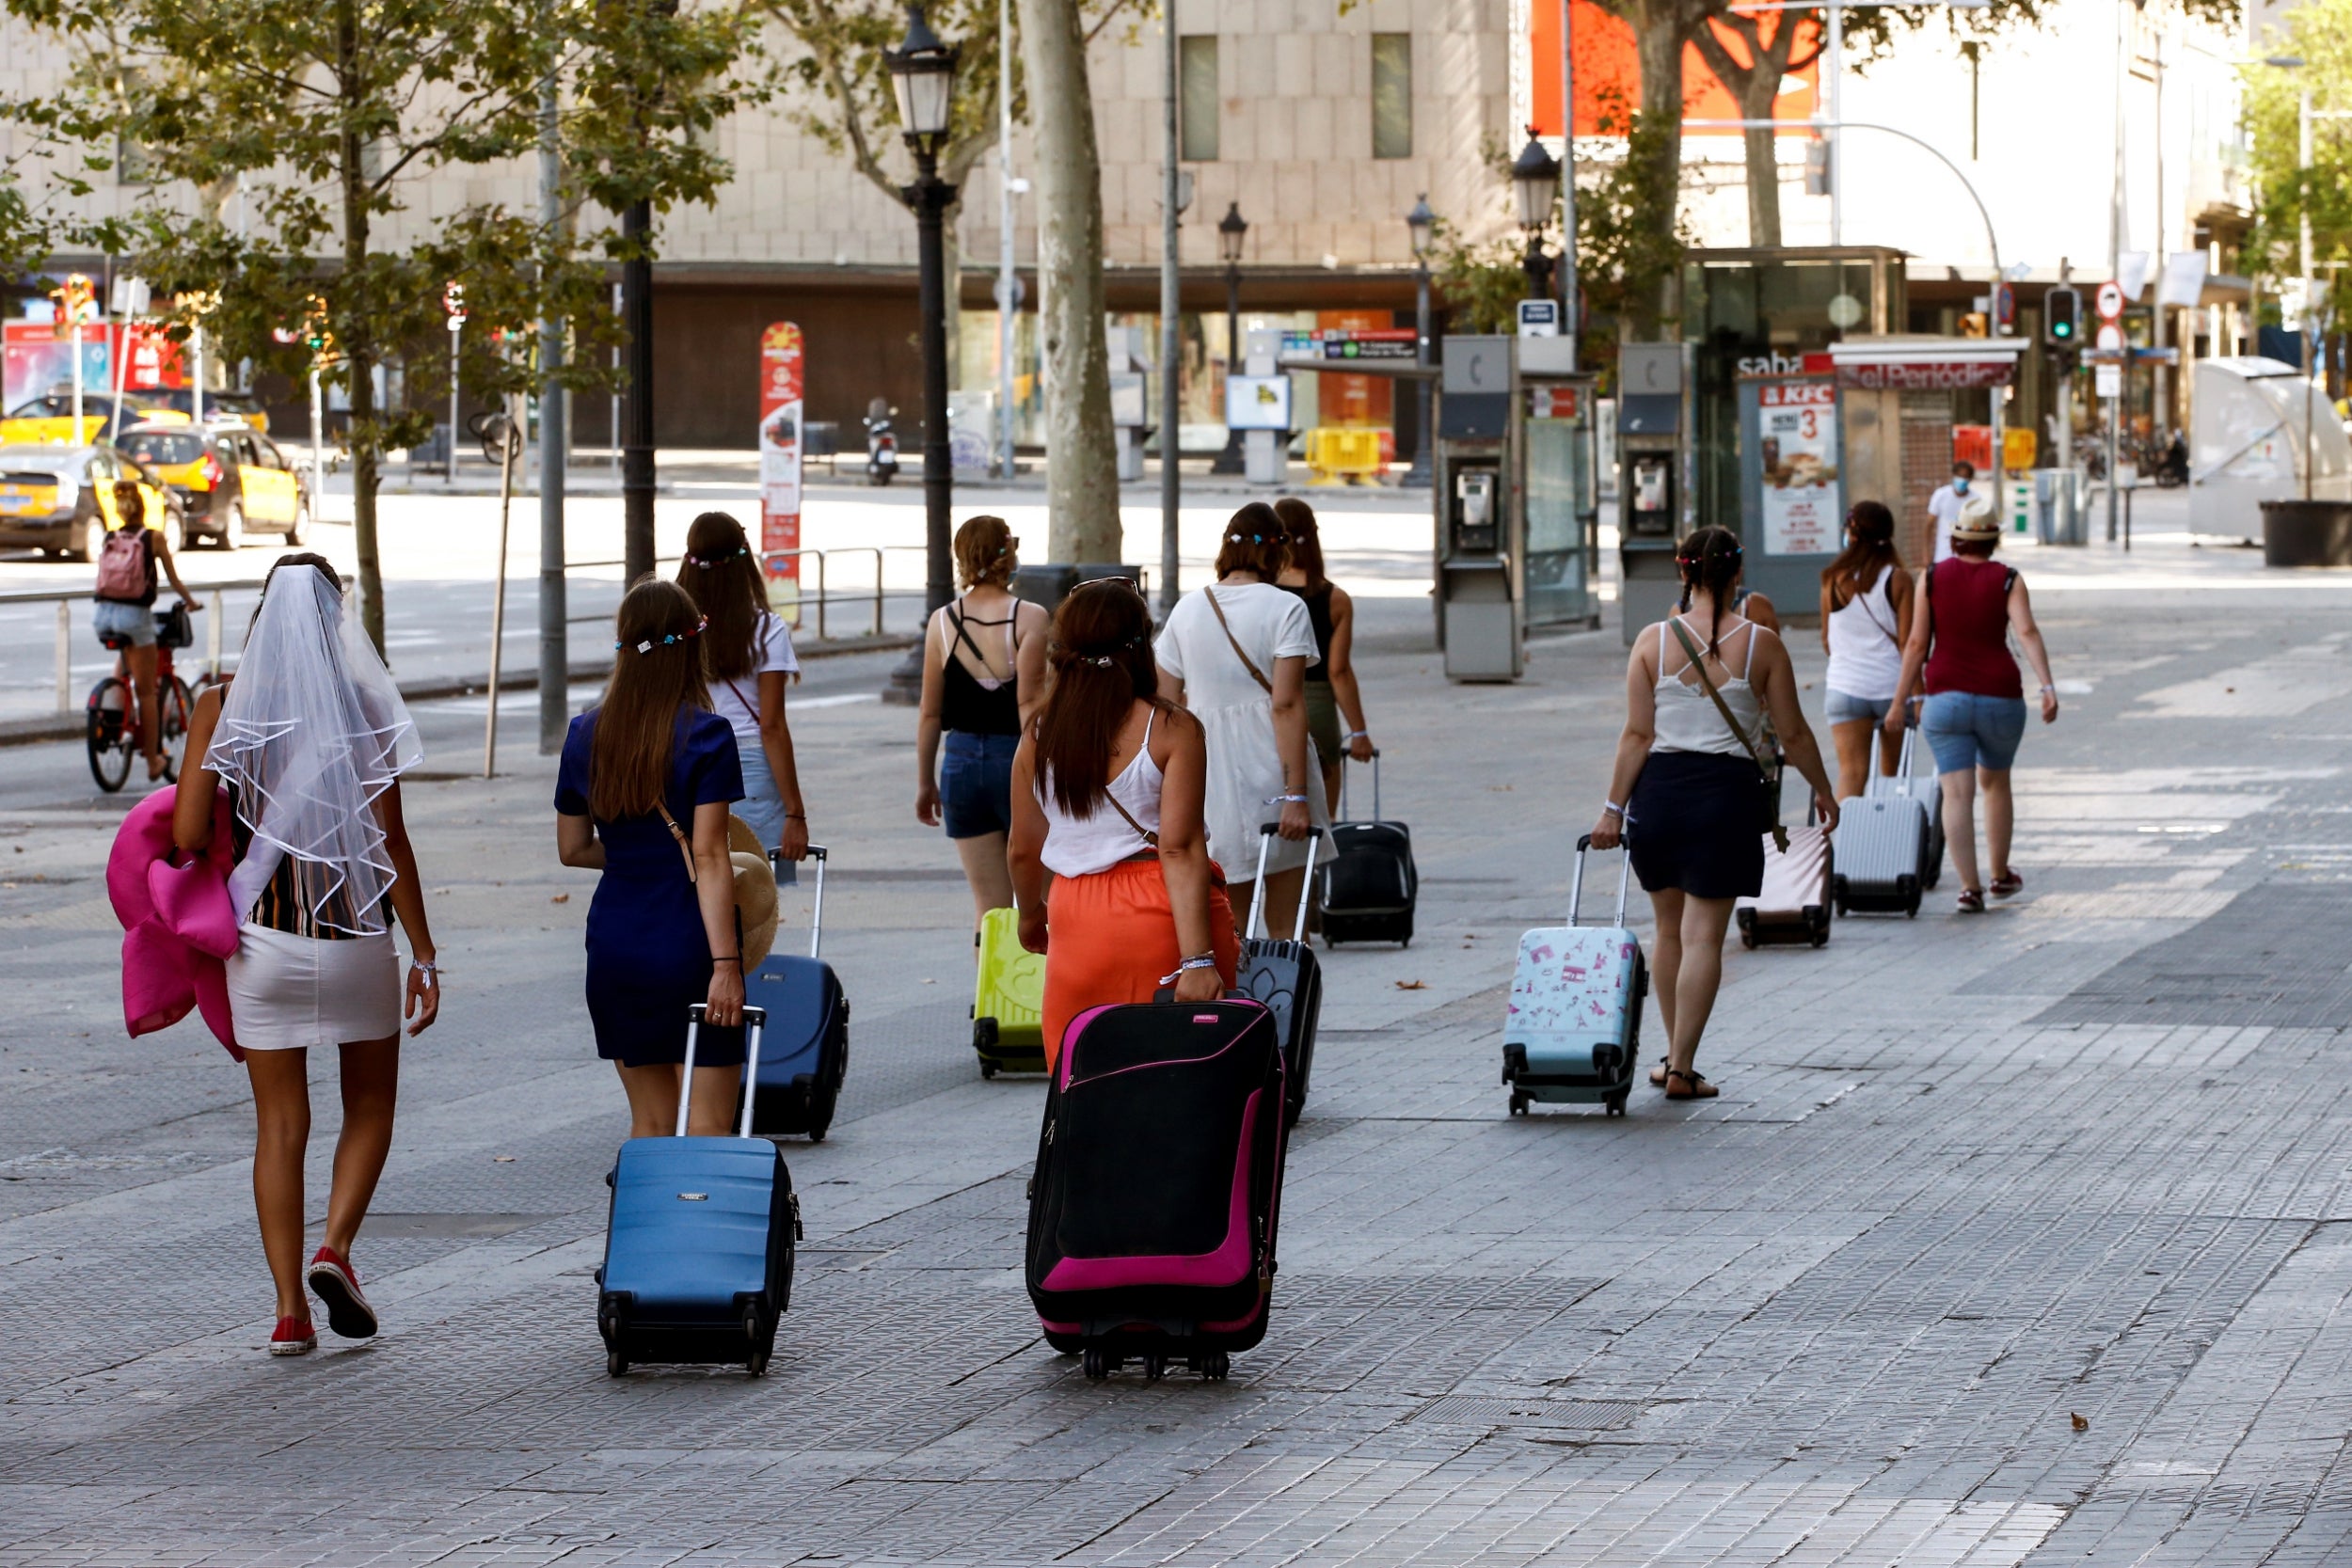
(124, 613)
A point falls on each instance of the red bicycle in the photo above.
(111, 726)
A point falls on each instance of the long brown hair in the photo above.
(1303, 538)
(1870, 547)
(721, 574)
(657, 672)
(1100, 651)
(1253, 542)
(1709, 559)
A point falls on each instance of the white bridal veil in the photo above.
(311, 732)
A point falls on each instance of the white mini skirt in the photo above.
(287, 993)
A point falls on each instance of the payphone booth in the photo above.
(1518, 500)
(1654, 479)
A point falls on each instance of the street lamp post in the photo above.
(1423, 224)
(923, 77)
(1232, 230)
(1535, 184)
(636, 433)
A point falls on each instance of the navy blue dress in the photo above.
(648, 956)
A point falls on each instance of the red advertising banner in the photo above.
(781, 383)
(34, 360)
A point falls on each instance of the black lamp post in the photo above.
(923, 75)
(1536, 182)
(1231, 229)
(1423, 223)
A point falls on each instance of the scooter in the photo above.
(882, 446)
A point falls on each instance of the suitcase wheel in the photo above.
(1616, 1104)
(1097, 1365)
(988, 1070)
(1518, 1103)
(615, 1364)
(1747, 938)
(756, 1364)
(1214, 1366)
(1154, 1368)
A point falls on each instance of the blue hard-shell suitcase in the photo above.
(698, 1251)
(1574, 1030)
(799, 1078)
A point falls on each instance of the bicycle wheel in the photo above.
(107, 731)
(173, 697)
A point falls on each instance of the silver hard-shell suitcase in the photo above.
(1926, 788)
(1882, 844)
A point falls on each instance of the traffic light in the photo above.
(315, 336)
(60, 314)
(2063, 317)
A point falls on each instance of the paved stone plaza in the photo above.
(2017, 1239)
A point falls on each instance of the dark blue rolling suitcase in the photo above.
(698, 1252)
(798, 1079)
(1286, 978)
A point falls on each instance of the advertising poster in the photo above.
(781, 385)
(1797, 454)
(34, 360)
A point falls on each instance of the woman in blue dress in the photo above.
(642, 796)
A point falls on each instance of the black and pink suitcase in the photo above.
(1154, 1212)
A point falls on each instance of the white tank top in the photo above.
(1688, 719)
(1864, 659)
(1081, 846)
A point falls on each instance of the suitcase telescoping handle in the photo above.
(1576, 881)
(754, 1025)
(1345, 759)
(817, 919)
(1266, 833)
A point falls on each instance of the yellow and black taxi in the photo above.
(218, 405)
(48, 419)
(61, 498)
(231, 480)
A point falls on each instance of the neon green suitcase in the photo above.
(1007, 1026)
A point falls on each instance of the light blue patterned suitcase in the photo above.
(1573, 1035)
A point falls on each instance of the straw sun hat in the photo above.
(754, 892)
(1976, 521)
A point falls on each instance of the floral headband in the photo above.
(1734, 553)
(651, 644)
(1245, 538)
(707, 561)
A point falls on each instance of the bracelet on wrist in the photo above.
(1198, 960)
(1613, 809)
(1286, 799)
(734, 958)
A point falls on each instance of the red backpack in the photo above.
(122, 566)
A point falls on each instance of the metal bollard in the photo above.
(65, 656)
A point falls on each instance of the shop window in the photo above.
(1197, 98)
(1392, 95)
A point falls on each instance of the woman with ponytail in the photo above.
(1686, 793)
(1108, 791)
(1866, 620)
(1236, 655)
(747, 662)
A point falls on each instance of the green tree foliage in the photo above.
(2320, 33)
(332, 115)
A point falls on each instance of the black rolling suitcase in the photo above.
(1154, 1209)
(1285, 976)
(1367, 890)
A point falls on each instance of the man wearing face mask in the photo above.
(1945, 505)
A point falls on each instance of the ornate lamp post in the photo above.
(1232, 230)
(1535, 181)
(923, 75)
(1423, 224)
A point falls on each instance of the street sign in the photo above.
(1363, 342)
(781, 408)
(2109, 380)
(2110, 301)
(2004, 308)
(1539, 317)
(2111, 338)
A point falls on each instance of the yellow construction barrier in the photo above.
(1340, 456)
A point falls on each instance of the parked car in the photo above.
(217, 405)
(232, 480)
(48, 419)
(61, 499)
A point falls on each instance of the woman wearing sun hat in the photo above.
(1975, 712)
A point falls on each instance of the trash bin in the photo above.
(1049, 582)
(2058, 516)
(2307, 534)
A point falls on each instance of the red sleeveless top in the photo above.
(1969, 600)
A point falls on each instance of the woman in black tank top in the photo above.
(1331, 688)
(984, 671)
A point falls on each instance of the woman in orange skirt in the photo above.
(1106, 789)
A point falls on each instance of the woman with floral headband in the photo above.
(642, 796)
(747, 663)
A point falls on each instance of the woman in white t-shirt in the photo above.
(1866, 620)
(1236, 656)
(747, 662)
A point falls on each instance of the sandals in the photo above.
(1971, 901)
(1658, 1074)
(2008, 883)
(1697, 1086)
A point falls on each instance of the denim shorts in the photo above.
(134, 622)
(1843, 708)
(1967, 731)
(975, 784)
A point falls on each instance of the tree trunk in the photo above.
(1763, 155)
(360, 356)
(1658, 34)
(1082, 478)
(952, 249)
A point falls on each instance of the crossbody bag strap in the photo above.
(1699, 665)
(1247, 662)
(684, 848)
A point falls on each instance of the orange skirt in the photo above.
(1112, 937)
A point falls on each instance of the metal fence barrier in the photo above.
(66, 598)
(872, 598)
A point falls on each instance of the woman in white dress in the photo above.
(1236, 656)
